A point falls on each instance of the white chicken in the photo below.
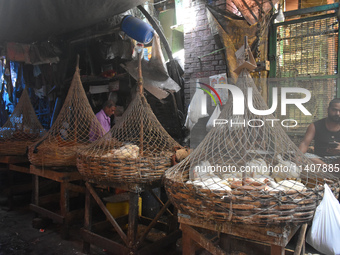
(290, 184)
(285, 169)
(127, 151)
(258, 167)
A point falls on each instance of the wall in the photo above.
(199, 41)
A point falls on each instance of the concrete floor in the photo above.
(19, 237)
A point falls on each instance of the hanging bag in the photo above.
(213, 117)
(325, 231)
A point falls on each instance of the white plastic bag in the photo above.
(214, 115)
(325, 231)
(197, 108)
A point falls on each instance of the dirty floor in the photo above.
(19, 237)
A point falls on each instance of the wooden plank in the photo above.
(21, 169)
(104, 225)
(188, 244)
(35, 195)
(44, 212)
(159, 225)
(133, 219)
(64, 200)
(107, 213)
(13, 159)
(87, 219)
(277, 250)
(58, 176)
(233, 244)
(53, 198)
(75, 188)
(194, 235)
(301, 239)
(103, 242)
(269, 234)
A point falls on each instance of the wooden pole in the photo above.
(140, 87)
(301, 239)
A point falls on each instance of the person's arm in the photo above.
(309, 136)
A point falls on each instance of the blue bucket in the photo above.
(137, 29)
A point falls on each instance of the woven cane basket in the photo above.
(144, 170)
(281, 185)
(21, 129)
(244, 206)
(72, 130)
(52, 155)
(139, 128)
(14, 148)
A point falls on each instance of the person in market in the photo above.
(326, 135)
(105, 118)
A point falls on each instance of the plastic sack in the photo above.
(197, 108)
(214, 116)
(325, 231)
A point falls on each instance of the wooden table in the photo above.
(10, 165)
(128, 242)
(65, 177)
(268, 240)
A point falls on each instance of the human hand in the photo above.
(335, 149)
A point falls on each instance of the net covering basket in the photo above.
(137, 150)
(21, 129)
(74, 128)
(246, 174)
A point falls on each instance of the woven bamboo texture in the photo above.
(243, 206)
(137, 150)
(246, 174)
(75, 125)
(21, 129)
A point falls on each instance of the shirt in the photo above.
(322, 138)
(104, 120)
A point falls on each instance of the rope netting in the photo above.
(137, 150)
(21, 129)
(75, 127)
(248, 170)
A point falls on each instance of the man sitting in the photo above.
(104, 118)
(326, 136)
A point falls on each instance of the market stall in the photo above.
(20, 130)
(247, 171)
(53, 157)
(133, 157)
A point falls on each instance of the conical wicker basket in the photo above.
(70, 132)
(21, 129)
(137, 150)
(245, 174)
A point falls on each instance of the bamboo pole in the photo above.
(140, 88)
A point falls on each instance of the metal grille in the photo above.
(322, 91)
(307, 58)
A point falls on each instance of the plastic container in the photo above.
(137, 29)
(122, 208)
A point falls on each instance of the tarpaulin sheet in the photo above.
(37, 20)
(231, 32)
